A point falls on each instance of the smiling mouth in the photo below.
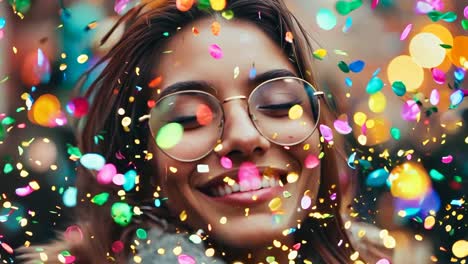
(227, 186)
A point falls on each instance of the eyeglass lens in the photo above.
(187, 125)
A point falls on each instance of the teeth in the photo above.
(235, 187)
(221, 191)
(244, 186)
(272, 182)
(256, 184)
(227, 189)
(265, 182)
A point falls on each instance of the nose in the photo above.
(240, 137)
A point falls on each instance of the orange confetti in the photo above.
(184, 5)
(155, 82)
(195, 31)
(215, 28)
(289, 37)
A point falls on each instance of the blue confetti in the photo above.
(349, 82)
(357, 66)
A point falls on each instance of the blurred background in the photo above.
(395, 70)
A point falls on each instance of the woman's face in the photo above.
(244, 219)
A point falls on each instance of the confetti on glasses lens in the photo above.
(169, 135)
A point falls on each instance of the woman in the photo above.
(213, 118)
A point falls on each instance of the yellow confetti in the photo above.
(183, 216)
(292, 177)
(295, 112)
(223, 220)
(460, 249)
(82, 58)
(275, 204)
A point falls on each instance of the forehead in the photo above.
(186, 56)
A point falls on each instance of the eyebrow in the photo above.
(205, 86)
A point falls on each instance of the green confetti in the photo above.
(100, 199)
(204, 4)
(343, 66)
(399, 88)
(228, 14)
(464, 24)
(121, 213)
(344, 8)
(73, 151)
(447, 17)
(375, 84)
(2, 133)
(141, 233)
(436, 175)
(446, 46)
(7, 168)
(7, 121)
(395, 132)
(457, 179)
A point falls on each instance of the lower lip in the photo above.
(247, 198)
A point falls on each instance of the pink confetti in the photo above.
(106, 174)
(226, 162)
(311, 161)
(465, 12)
(342, 127)
(435, 97)
(73, 234)
(447, 159)
(374, 4)
(216, 52)
(333, 196)
(118, 179)
(406, 31)
(326, 132)
(185, 259)
(410, 111)
(120, 6)
(306, 202)
(7, 247)
(296, 246)
(383, 261)
(69, 259)
(438, 76)
(24, 191)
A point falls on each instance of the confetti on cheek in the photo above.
(374, 85)
(216, 52)
(195, 31)
(342, 127)
(438, 75)
(311, 161)
(320, 54)
(357, 66)
(326, 132)
(348, 24)
(348, 82)
(184, 5)
(406, 32)
(325, 19)
(185, 259)
(226, 162)
(374, 4)
(447, 159)
(215, 28)
(434, 97)
(236, 72)
(252, 72)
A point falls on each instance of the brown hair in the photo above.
(141, 43)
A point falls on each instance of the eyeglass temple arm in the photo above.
(319, 93)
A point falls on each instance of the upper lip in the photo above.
(232, 174)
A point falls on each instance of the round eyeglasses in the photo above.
(187, 125)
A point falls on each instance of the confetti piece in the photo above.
(377, 102)
(436, 175)
(295, 112)
(106, 173)
(374, 85)
(228, 14)
(326, 132)
(351, 160)
(464, 24)
(184, 5)
(383, 261)
(325, 19)
(169, 135)
(395, 133)
(236, 72)
(374, 4)
(423, 7)
(343, 66)
(252, 72)
(311, 161)
(409, 181)
(377, 178)
(69, 196)
(348, 24)
(216, 52)
(465, 12)
(410, 111)
(100, 199)
(121, 213)
(226, 162)
(434, 97)
(320, 54)
(429, 222)
(155, 82)
(438, 75)
(399, 88)
(120, 6)
(456, 98)
(218, 5)
(275, 204)
(342, 127)
(92, 161)
(437, 15)
(406, 32)
(6, 247)
(185, 259)
(130, 177)
(117, 246)
(215, 28)
(447, 159)
(78, 107)
(348, 82)
(306, 202)
(24, 191)
(357, 66)
(289, 37)
(344, 7)
(2, 22)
